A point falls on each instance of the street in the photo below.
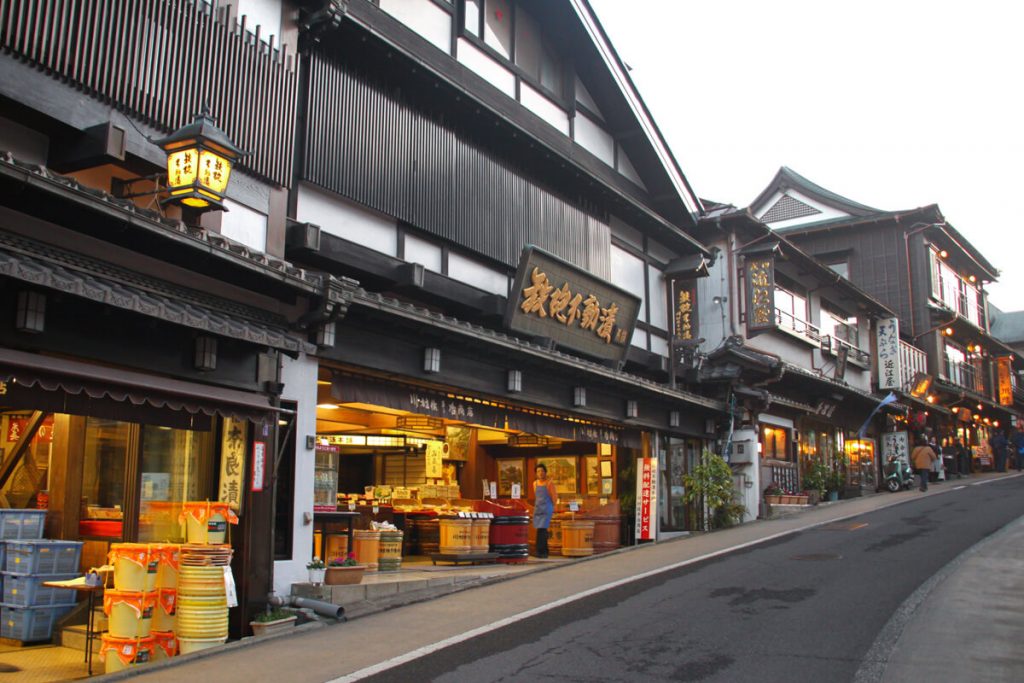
(798, 598)
(805, 607)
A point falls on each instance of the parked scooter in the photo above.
(898, 474)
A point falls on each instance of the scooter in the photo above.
(898, 474)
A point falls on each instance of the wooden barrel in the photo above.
(480, 538)
(606, 533)
(577, 538)
(366, 546)
(456, 536)
(337, 546)
(555, 537)
(509, 538)
(390, 551)
(428, 536)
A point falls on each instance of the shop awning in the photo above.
(68, 386)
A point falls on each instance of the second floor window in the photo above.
(791, 310)
(840, 326)
(955, 292)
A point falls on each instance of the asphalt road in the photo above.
(804, 607)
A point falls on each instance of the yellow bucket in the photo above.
(187, 645)
(163, 613)
(130, 613)
(168, 558)
(206, 523)
(122, 653)
(135, 566)
(165, 644)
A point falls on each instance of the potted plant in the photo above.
(316, 569)
(834, 482)
(710, 486)
(344, 570)
(773, 494)
(272, 621)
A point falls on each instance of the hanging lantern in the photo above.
(199, 160)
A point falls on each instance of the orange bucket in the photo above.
(130, 613)
(135, 566)
(207, 522)
(122, 653)
(163, 614)
(165, 644)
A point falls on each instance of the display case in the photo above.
(325, 479)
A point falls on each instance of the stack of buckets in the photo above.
(141, 606)
(202, 599)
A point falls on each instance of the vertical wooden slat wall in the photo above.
(160, 61)
(366, 143)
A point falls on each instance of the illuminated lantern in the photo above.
(199, 160)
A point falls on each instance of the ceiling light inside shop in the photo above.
(327, 406)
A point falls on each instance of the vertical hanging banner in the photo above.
(232, 463)
(646, 499)
(760, 275)
(435, 459)
(684, 306)
(887, 338)
(259, 465)
(1004, 368)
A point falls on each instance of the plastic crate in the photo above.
(21, 524)
(30, 624)
(43, 557)
(29, 591)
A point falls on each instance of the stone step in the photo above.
(73, 637)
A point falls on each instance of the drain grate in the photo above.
(817, 557)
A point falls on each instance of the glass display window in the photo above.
(176, 466)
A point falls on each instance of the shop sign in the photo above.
(887, 338)
(896, 443)
(232, 463)
(646, 499)
(435, 454)
(685, 312)
(1004, 368)
(259, 465)
(16, 427)
(760, 275)
(559, 301)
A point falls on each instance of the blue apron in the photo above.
(543, 507)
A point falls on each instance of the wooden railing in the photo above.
(912, 360)
(161, 61)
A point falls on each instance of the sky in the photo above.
(893, 104)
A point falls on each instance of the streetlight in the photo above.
(199, 160)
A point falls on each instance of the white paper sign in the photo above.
(516, 491)
(376, 509)
(229, 588)
(887, 336)
(494, 489)
(574, 506)
(352, 506)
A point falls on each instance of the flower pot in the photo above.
(338, 576)
(833, 496)
(773, 500)
(316, 576)
(261, 629)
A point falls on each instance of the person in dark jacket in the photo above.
(998, 443)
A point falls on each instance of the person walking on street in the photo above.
(1017, 448)
(998, 443)
(544, 498)
(922, 458)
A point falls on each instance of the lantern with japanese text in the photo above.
(199, 160)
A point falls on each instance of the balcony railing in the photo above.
(832, 344)
(967, 376)
(788, 321)
(162, 60)
(912, 361)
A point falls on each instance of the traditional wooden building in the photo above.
(936, 352)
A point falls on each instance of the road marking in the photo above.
(961, 486)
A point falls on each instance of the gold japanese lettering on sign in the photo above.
(761, 300)
(564, 306)
(684, 315)
(3, 388)
(1004, 368)
(232, 463)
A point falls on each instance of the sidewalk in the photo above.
(360, 646)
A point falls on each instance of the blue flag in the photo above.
(862, 432)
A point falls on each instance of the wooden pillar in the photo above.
(66, 460)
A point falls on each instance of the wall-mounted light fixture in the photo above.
(515, 381)
(972, 278)
(431, 360)
(943, 253)
(579, 397)
(325, 334)
(947, 331)
(673, 418)
(632, 409)
(31, 312)
(199, 160)
(206, 354)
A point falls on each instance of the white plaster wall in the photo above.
(490, 70)
(299, 377)
(338, 217)
(749, 496)
(425, 18)
(263, 13)
(714, 318)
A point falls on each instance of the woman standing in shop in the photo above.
(544, 498)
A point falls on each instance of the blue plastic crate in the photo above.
(21, 524)
(30, 624)
(43, 557)
(28, 591)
